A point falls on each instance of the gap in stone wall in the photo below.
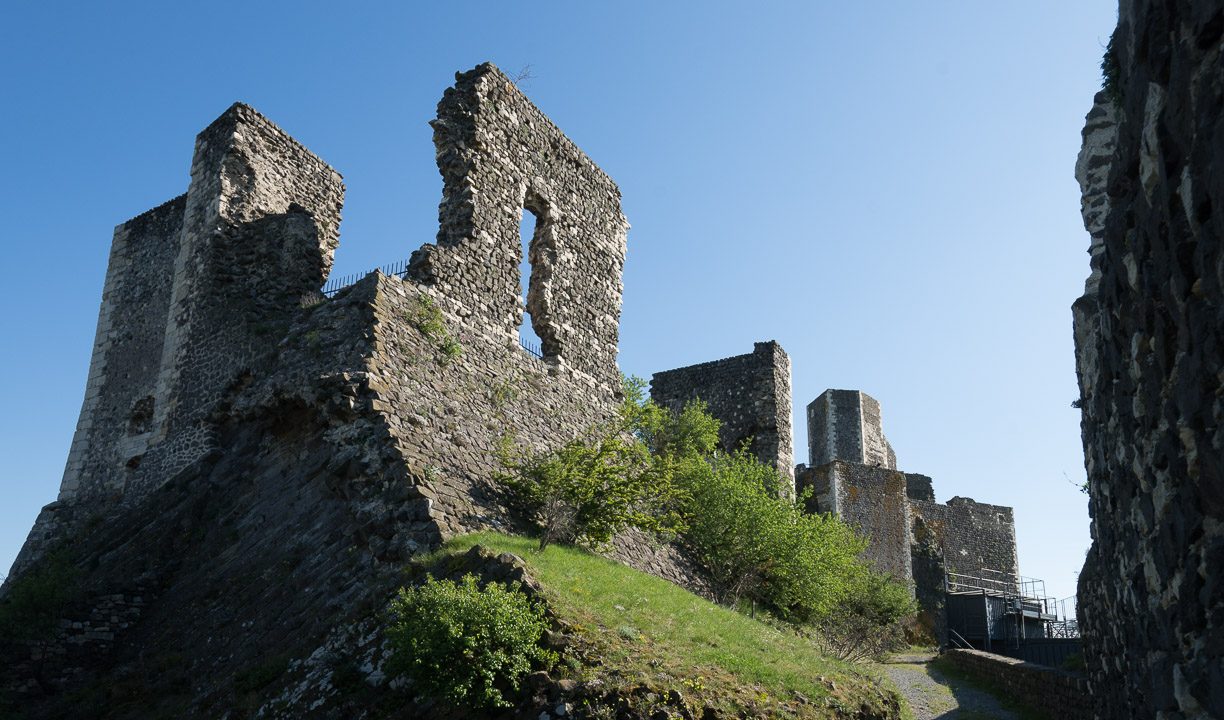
(527, 231)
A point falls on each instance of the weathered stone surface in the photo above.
(847, 425)
(257, 461)
(873, 501)
(977, 539)
(911, 537)
(500, 157)
(1148, 336)
(749, 394)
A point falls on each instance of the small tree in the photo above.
(465, 644)
(868, 623)
(591, 488)
(757, 545)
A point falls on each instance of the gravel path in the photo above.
(934, 696)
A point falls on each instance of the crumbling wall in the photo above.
(976, 539)
(499, 157)
(261, 225)
(301, 448)
(919, 487)
(872, 500)
(116, 416)
(195, 289)
(749, 394)
(198, 292)
(847, 425)
(1149, 331)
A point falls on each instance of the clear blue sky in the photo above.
(885, 189)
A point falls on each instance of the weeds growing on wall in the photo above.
(1111, 71)
(426, 317)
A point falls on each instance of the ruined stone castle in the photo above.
(852, 473)
(256, 458)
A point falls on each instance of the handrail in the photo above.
(964, 644)
(335, 285)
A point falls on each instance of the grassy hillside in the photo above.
(647, 635)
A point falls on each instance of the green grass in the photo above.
(648, 632)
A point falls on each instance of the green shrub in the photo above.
(460, 643)
(426, 317)
(756, 544)
(867, 624)
(38, 600)
(591, 488)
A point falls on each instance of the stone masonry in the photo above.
(847, 425)
(911, 536)
(1149, 333)
(241, 431)
(500, 157)
(750, 394)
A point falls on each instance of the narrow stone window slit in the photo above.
(528, 338)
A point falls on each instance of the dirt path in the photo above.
(935, 696)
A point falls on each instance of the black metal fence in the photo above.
(531, 347)
(335, 285)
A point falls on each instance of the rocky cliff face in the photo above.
(1148, 335)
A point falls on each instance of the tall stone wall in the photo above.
(116, 417)
(749, 394)
(500, 157)
(194, 290)
(872, 500)
(975, 539)
(260, 228)
(298, 448)
(847, 425)
(1149, 332)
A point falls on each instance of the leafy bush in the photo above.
(591, 488)
(868, 623)
(467, 645)
(662, 470)
(754, 542)
(758, 545)
(38, 600)
(595, 486)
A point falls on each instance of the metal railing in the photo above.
(398, 269)
(335, 285)
(531, 347)
(1021, 594)
(955, 639)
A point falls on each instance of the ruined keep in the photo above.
(749, 394)
(1148, 334)
(846, 425)
(854, 476)
(935, 546)
(243, 431)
